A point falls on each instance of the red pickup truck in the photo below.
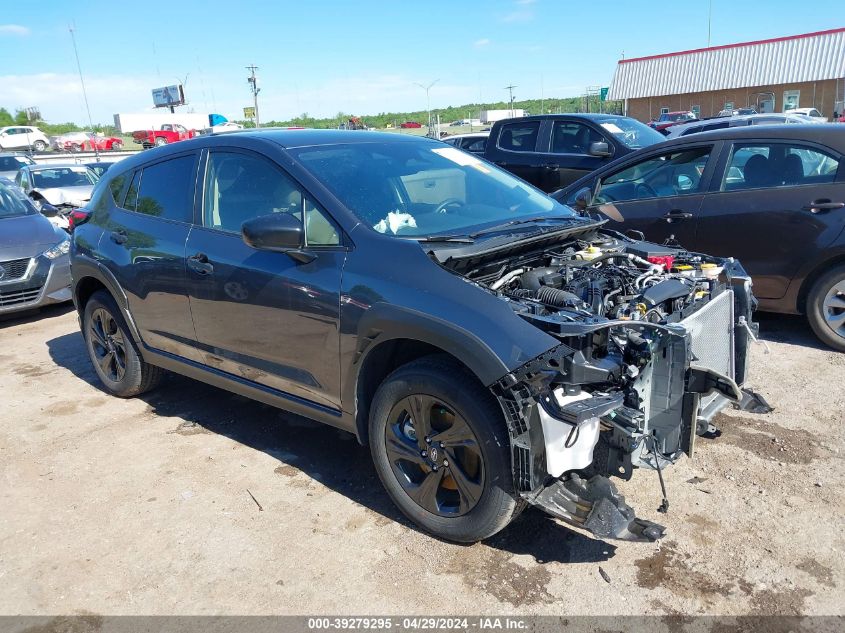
(167, 133)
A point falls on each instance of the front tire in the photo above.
(112, 351)
(826, 308)
(117, 146)
(441, 449)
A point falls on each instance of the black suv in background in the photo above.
(553, 150)
(772, 195)
(492, 347)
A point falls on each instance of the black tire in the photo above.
(117, 146)
(125, 374)
(825, 304)
(39, 146)
(454, 394)
(160, 140)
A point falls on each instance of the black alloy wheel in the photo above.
(108, 345)
(434, 455)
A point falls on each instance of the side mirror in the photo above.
(600, 149)
(583, 198)
(684, 183)
(280, 232)
(48, 210)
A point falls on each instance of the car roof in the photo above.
(823, 133)
(469, 135)
(588, 116)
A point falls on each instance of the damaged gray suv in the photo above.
(493, 348)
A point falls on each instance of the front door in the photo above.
(660, 195)
(568, 157)
(776, 204)
(144, 246)
(261, 315)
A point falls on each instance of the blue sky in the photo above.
(359, 56)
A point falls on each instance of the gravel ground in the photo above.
(190, 500)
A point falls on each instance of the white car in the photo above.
(23, 137)
(810, 112)
(227, 126)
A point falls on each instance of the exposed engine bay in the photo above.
(653, 343)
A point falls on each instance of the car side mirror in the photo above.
(583, 198)
(600, 149)
(279, 232)
(48, 210)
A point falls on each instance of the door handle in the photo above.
(501, 163)
(118, 237)
(199, 264)
(823, 204)
(677, 214)
(551, 166)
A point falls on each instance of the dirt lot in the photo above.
(144, 506)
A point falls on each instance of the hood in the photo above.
(73, 196)
(26, 236)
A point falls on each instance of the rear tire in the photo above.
(160, 140)
(117, 146)
(469, 451)
(826, 308)
(112, 350)
(39, 146)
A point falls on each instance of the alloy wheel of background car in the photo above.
(117, 146)
(161, 141)
(76, 147)
(434, 455)
(826, 308)
(39, 146)
(112, 351)
(432, 411)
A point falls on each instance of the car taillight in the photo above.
(77, 217)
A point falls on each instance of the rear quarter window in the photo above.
(519, 137)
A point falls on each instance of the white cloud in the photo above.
(481, 43)
(525, 2)
(13, 29)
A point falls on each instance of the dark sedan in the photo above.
(772, 196)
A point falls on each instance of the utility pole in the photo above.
(427, 100)
(510, 90)
(253, 84)
(709, 20)
(84, 93)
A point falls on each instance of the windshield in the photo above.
(631, 133)
(12, 204)
(63, 177)
(418, 189)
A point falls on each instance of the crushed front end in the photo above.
(653, 342)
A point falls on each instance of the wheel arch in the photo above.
(811, 278)
(390, 336)
(88, 278)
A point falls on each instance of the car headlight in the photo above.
(62, 248)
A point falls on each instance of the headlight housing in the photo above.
(62, 248)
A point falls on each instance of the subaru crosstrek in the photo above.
(494, 348)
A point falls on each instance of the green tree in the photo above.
(6, 118)
(21, 118)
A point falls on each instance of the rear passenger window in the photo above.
(167, 189)
(116, 186)
(767, 165)
(519, 137)
(132, 192)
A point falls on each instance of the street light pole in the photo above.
(428, 100)
(84, 93)
(253, 81)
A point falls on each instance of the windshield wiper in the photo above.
(498, 227)
(456, 239)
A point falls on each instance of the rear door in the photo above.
(565, 156)
(516, 150)
(773, 205)
(660, 194)
(144, 247)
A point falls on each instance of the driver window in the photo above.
(573, 138)
(675, 174)
(239, 187)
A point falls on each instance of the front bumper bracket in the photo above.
(596, 506)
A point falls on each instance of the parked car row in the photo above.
(86, 142)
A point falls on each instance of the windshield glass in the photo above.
(11, 203)
(631, 132)
(424, 188)
(63, 177)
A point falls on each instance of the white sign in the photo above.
(168, 96)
